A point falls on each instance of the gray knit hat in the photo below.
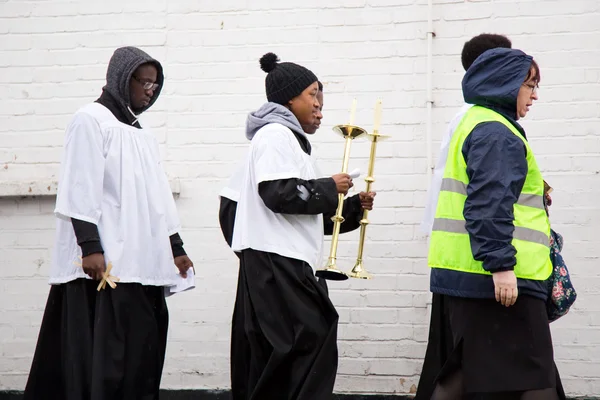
(122, 65)
(284, 80)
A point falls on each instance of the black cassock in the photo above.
(439, 351)
(284, 326)
(106, 345)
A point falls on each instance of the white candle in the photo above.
(352, 112)
(377, 121)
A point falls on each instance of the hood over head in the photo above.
(494, 80)
(271, 113)
(122, 65)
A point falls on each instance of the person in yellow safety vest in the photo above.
(489, 247)
(439, 343)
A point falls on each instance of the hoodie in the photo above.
(115, 96)
(273, 113)
(497, 168)
(494, 81)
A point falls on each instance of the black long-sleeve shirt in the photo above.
(283, 196)
(88, 238)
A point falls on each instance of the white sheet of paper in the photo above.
(355, 173)
(182, 284)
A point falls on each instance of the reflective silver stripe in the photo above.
(456, 186)
(453, 185)
(449, 225)
(520, 233)
(531, 200)
(531, 235)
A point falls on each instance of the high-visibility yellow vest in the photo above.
(450, 246)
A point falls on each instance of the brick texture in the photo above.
(53, 58)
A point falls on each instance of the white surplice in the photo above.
(438, 173)
(274, 154)
(111, 175)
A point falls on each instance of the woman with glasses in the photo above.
(489, 248)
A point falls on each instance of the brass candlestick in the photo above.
(331, 271)
(359, 271)
(349, 132)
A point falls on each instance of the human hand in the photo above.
(183, 263)
(548, 199)
(94, 265)
(343, 183)
(367, 199)
(505, 287)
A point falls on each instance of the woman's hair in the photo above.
(534, 73)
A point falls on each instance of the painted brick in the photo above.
(53, 57)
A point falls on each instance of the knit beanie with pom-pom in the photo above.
(284, 80)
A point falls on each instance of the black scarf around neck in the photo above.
(118, 110)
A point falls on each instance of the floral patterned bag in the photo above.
(561, 290)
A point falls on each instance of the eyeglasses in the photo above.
(146, 85)
(534, 88)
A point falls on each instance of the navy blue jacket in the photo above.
(497, 168)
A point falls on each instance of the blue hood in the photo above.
(494, 80)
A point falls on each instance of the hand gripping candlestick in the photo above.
(358, 271)
(348, 132)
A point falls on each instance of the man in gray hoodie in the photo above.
(114, 208)
(274, 214)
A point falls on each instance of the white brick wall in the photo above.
(53, 56)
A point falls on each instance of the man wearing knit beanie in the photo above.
(116, 218)
(274, 213)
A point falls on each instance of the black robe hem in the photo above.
(107, 345)
(284, 331)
